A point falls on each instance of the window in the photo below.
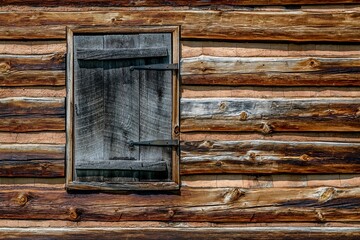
(123, 108)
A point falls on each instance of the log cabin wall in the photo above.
(270, 126)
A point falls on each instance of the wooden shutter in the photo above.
(115, 105)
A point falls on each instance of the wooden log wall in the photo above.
(270, 119)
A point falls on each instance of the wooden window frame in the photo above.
(174, 184)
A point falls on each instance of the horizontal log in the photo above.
(325, 204)
(135, 233)
(122, 165)
(109, 54)
(32, 78)
(237, 71)
(263, 156)
(32, 114)
(274, 25)
(32, 160)
(55, 61)
(270, 115)
(173, 3)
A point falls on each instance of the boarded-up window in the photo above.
(123, 108)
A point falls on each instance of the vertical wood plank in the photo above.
(121, 106)
(89, 103)
(156, 105)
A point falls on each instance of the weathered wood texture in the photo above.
(176, 3)
(32, 160)
(32, 114)
(207, 157)
(274, 25)
(270, 71)
(240, 233)
(214, 205)
(270, 115)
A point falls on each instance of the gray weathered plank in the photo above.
(156, 104)
(121, 99)
(116, 53)
(123, 165)
(89, 104)
(270, 115)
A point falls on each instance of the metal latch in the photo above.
(162, 67)
(155, 143)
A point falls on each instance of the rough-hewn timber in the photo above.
(263, 156)
(32, 114)
(32, 160)
(173, 3)
(201, 24)
(184, 233)
(32, 78)
(270, 115)
(325, 204)
(236, 71)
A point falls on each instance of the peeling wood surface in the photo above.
(258, 157)
(241, 233)
(270, 115)
(32, 160)
(230, 25)
(236, 71)
(215, 205)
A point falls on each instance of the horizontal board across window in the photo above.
(122, 107)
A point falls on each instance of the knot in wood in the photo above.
(206, 144)
(223, 106)
(171, 213)
(243, 116)
(232, 195)
(4, 67)
(22, 199)
(218, 163)
(313, 63)
(252, 156)
(327, 194)
(320, 216)
(305, 157)
(74, 213)
(266, 128)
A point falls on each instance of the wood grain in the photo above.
(32, 114)
(270, 71)
(32, 160)
(324, 204)
(259, 157)
(270, 115)
(174, 3)
(317, 25)
(14, 78)
(54, 61)
(183, 233)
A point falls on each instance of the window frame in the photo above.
(71, 184)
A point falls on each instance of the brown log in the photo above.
(263, 156)
(32, 160)
(173, 3)
(236, 71)
(183, 233)
(314, 25)
(32, 78)
(32, 114)
(10, 63)
(324, 204)
(270, 115)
